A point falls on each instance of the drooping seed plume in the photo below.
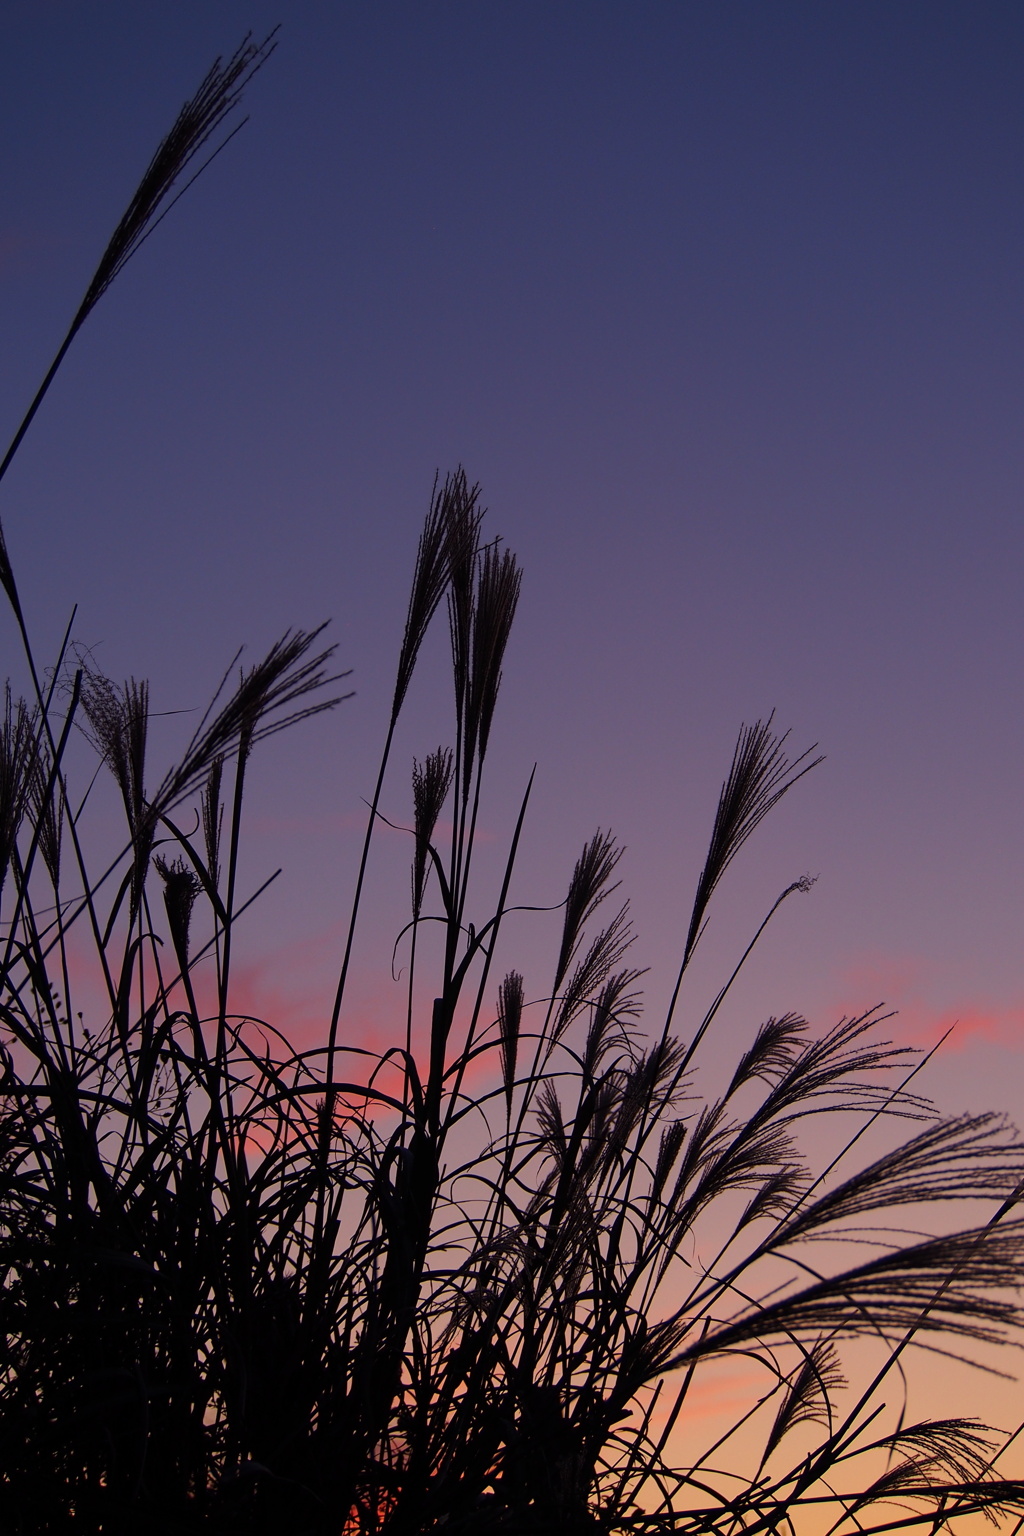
(431, 782)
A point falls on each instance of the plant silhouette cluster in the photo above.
(472, 1283)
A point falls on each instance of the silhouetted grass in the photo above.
(470, 1283)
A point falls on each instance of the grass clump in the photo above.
(473, 1282)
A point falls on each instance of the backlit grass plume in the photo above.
(169, 174)
(476, 1280)
(457, 1284)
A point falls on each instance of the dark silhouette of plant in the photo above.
(471, 1282)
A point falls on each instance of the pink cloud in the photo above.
(899, 983)
(338, 823)
(290, 987)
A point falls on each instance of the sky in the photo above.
(721, 304)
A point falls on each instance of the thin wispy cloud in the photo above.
(902, 984)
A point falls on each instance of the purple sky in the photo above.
(722, 305)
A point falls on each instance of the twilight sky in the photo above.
(722, 305)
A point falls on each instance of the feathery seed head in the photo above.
(465, 517)
(808, 1397)
(181, 887)
(47, 802)
(118, 721)
(262, 704)
(213, 819)
(587, 889)
(19, 768)
(447, 544)
(591, 972)
(761, 773)
(192, 130)
(612, 1017)
(672, 1138)
(510, 1016)
(499, 579)
(430, 784)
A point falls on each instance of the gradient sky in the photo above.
(722, 305)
